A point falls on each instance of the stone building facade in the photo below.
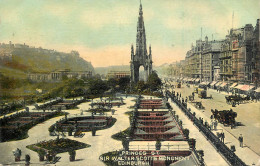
(201, 59)
(118, 74)
(236, 58)
(58, 75)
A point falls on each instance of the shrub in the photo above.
(72, 152)
(51, 128)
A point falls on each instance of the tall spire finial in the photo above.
(140, 9)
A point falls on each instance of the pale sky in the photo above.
(103, 30)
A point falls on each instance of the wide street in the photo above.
(248, 115)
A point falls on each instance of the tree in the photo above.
(154, 82)
(112, 82)
(186, 133)
(123, 82)
(140, 86)
(72, 154)
(41, 154)
(96, 86)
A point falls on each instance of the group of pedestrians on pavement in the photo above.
(214, 124)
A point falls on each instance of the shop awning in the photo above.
(218, 83)
(223, 84)
(204, 83)
(257, 90)
(233, 85)
(213, 83)
(247, 87)
(239, 86)
(197, 80)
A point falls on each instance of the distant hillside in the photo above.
(27, 59)
(161, 69)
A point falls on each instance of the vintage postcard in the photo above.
(130, 82)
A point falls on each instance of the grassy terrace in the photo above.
(16, 127)
(122, 135)
(52, 127)
(58, 145)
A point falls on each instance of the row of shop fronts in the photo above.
(233, 87)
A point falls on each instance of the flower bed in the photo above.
(122, 135)
(98, 110)
(15, 128)
(83, 123)
(58, 145)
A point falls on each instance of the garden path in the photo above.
(100, 144)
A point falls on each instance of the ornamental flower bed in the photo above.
(58, 145)
(16, 126)
(98, 110)
(122, 134)
(83, 123)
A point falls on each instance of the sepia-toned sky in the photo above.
(103, 30)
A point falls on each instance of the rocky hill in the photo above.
(23, 59)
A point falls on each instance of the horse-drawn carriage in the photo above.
(199, 105)
(191, 98)
(226, 117)
(202, 93)
(179, 85)
(237, 99)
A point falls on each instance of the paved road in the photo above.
(211, 156)
(248, 114)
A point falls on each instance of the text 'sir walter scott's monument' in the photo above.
(140, 57)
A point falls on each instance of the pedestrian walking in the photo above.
(240, 139)
(215, 125)
(223, 137)
(220, 136)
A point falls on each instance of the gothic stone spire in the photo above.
(141, 57)
(140, 36)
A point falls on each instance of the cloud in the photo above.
(96, 18)
(58, 10)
